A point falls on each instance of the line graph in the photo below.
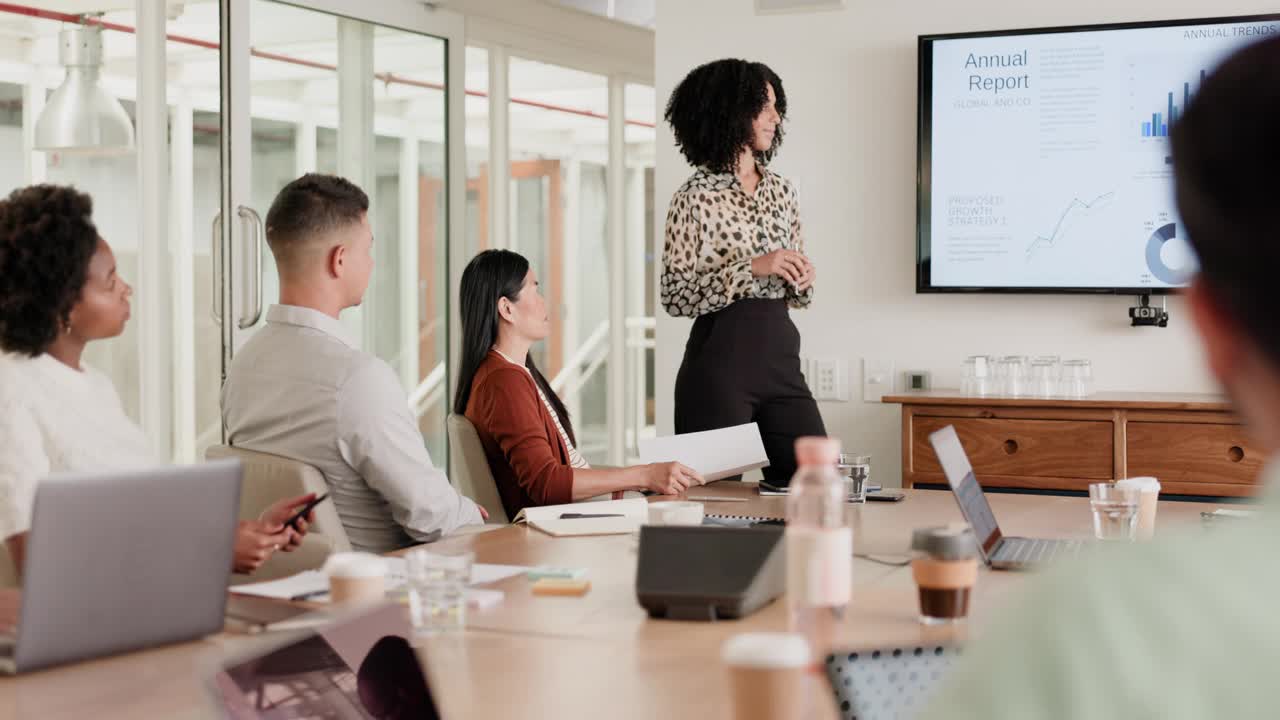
(1076, 208)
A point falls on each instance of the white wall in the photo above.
(850, 78)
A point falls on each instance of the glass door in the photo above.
(314, 89)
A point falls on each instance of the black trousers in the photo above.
(741, 365)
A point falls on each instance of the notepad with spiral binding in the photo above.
(724, 520)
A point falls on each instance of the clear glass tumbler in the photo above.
(1015, 376)
(1077, 379)
(979, 370)
(1115, 511)
(1045, 380)
(856, 471)
(437, 585)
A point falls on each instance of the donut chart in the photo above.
(1162, 272)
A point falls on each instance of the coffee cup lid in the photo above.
(766, 651)
(948, 542)
(1141, 484)
(355, 565)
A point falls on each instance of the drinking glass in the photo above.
(856, 471)
(437, 586)
(1077, 378)
(1015, 376)
(1115, 511)
(1044, 378)
(978, 371)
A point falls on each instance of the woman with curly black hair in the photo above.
(734, 259)
(59, 291)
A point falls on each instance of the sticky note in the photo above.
(559, 586)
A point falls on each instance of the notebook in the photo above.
(633, 513)
(727, 520)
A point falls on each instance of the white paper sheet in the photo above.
(715, 454)
(286, 588)
(314, 581)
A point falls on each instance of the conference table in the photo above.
(598, 655)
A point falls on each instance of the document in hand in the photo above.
(631, 514)
(715, 454)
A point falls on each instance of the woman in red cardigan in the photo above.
(527, 436)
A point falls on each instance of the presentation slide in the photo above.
(1050, 163)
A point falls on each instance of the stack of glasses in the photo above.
(1017, 376)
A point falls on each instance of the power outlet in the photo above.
(878, 379)
(828, 378)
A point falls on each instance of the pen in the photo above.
(717, 499)
(308, 595)
(583, 516)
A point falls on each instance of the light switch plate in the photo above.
(878, 379)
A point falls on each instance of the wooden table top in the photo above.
(598, 655)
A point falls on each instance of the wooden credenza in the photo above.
(1192, 443)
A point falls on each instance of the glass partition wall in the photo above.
(254, 93)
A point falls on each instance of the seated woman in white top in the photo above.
(59, 290)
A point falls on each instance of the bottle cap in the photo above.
(817, 451)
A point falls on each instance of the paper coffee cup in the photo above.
(356, 578)
(1148, 494)
(675, 512)
(767, 674)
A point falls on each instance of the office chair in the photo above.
(471, 473)
(267, 478)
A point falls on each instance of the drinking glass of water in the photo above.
(856, 471)
(1115, 511)
(437, 587)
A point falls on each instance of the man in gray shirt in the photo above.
(302, 389)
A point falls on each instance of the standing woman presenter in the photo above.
(734, 260)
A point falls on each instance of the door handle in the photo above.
(253, 311)
(216, 256)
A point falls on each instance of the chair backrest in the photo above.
(268, 478)
(888, 684)
(471, 472)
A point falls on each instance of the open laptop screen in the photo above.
(973, 503)
(358, 668)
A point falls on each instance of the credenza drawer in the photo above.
(1030, 448)
(1192, 453)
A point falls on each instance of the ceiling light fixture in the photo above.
(80, 116)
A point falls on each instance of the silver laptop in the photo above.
(122, 560)
(999, 552)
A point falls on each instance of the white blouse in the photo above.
(56, 419)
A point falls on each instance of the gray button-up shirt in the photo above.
(301, 389)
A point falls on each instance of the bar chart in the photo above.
(1161, 121)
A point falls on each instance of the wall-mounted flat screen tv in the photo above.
(1043, 155)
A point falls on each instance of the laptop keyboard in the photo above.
(1025, 551)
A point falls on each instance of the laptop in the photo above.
(999, 552)
(122, 560)
(361, 666)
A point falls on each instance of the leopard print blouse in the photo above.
(714, 229)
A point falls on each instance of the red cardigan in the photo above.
(528, 458)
